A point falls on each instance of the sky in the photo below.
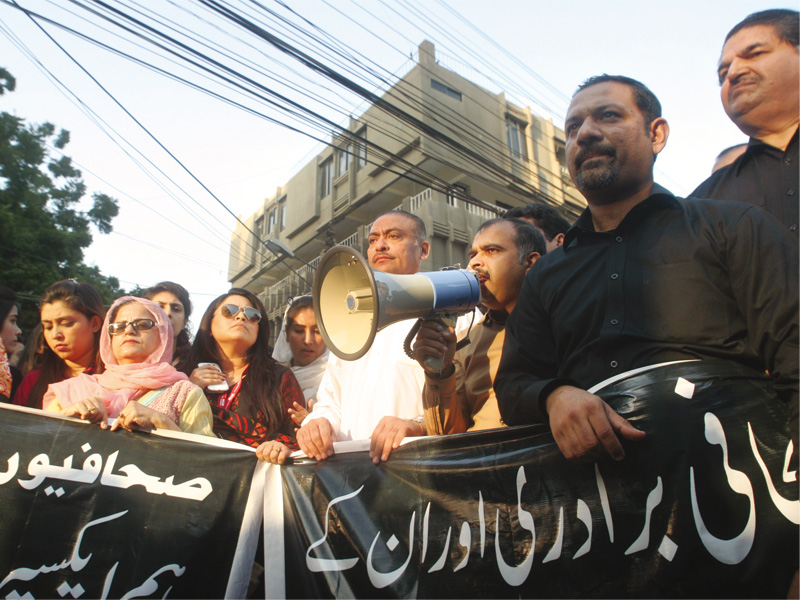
(177, 230)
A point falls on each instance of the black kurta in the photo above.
(765, 176)
(678, 279)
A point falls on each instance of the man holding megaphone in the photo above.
(460, 398)
(378, 395)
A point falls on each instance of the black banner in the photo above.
(88, 513)
(705, 506)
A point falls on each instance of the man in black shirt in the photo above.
(760, 90)
(642, 278)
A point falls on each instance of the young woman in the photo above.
(71, 315)
(300, 346)
(139, 388)
(174, 300)
(34, 347)
(10, 333)
(253, 407)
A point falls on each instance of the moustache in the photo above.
(482, 273)
(596, 150)
(743, 79)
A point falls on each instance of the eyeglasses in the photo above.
(231, 310)
(136, 324)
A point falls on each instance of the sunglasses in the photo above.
(137, 325)
(231, 310)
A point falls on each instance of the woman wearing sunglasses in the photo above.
(139, 387)
(249, 392)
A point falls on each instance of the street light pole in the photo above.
(277, 247)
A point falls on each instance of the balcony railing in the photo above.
(481, 211)
(415, 202)
(354, 241)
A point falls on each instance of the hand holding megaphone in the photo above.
(435, 340)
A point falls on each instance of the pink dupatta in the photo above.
(119, 384)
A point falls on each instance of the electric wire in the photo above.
(445, 186)
(454, 138)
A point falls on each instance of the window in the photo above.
(273, 216)
(362, 156)
(259, 235)
(561, 156)
(561, 152)
(362, 150)
(282, 205)
(326, 178)
(343, 159)
(515, 134)
(446, 90)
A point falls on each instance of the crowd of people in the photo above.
(138, 358)
(136, 363)
(642, 277)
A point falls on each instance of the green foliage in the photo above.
(7, 81)
(137, 290)
(44, 225)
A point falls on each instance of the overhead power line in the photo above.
(287, 69)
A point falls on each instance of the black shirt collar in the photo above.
(660, 198)
(756, 146)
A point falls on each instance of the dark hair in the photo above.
(419, 225)
(8, 300)
(260, 390)
(183, 342)
(112, 316)
(784, 21)
(80, 297)
(645, 100)
(529, 239)
(544, 216)
(299, 303)
(34, 348)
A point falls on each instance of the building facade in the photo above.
(435, 144)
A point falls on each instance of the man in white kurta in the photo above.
(379, 395)
(355, 395)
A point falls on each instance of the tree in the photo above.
(43, 227)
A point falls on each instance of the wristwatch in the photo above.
(420, 420)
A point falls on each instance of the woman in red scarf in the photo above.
(139, 388)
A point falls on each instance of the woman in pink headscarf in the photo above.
(140, 387)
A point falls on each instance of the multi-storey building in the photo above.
(435, 144)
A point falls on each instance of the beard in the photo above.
(597, 178)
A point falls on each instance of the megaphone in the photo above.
(352, 301)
